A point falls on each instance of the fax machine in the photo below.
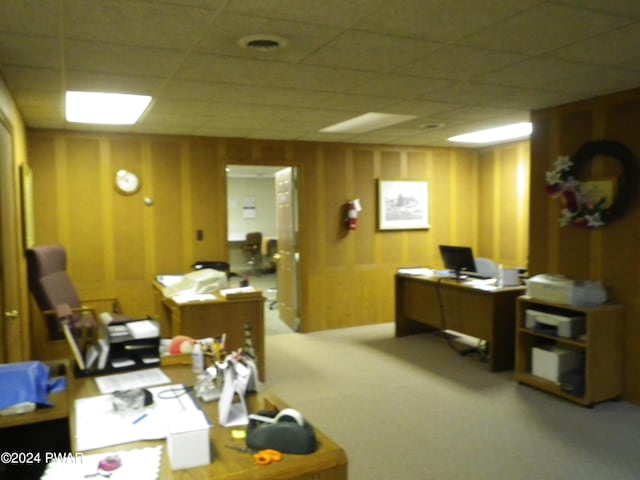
(560, 325)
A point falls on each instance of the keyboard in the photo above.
(476, 275)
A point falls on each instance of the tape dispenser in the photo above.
(285, 430)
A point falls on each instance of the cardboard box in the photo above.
(188, 440)
(552, 362)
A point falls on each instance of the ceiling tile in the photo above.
(32, 78)
(120, 60)
(369, 51)
(610, 48)
(326, 12)
(598, 82)
(444, 21)
(534, 72)
(135, 22)
(309, 77)
(629, 8)
(364, 103)
(215, 68)
(35, 17)
(547, 27)
(103, 82)
(399, 86)
(29, 50)
(461, 62)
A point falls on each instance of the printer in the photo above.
(561, 325)
(205, 280)
(559, 289)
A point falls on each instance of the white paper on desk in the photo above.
(138, 464)
(231, 414)
(126, 381)
(418, 271)
(488, 284)
(230, 291)
(193, 297)
(99, 425)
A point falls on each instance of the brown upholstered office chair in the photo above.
(253, 251)
(57, 299)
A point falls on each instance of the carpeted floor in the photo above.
(272, 323)
(411, 408)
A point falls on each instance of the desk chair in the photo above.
(486, 267)
(252, 249)
(59, 304)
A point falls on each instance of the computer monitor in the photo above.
(458, 259)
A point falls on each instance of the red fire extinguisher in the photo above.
(353, 208)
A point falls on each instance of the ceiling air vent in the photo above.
(262, 43)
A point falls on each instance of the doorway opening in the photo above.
(263, 200)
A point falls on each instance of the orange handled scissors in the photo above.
(265, 457)
(261, 457)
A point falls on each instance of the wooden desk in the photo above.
(439, 303)
(329, 462)
(213, 318)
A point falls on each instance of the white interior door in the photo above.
(287, 265)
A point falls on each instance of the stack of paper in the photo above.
(143, 329)
(240, 292)
(126, 381)
(193, 297)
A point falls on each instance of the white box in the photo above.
(551, 363)
(188, 440)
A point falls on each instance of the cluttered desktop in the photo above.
(461, 264)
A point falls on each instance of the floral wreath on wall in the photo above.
(579, 205)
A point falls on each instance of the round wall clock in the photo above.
(127, 182)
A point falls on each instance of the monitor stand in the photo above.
(459, 276)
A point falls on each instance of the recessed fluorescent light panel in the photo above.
(367, 122)
(499, 134)
(105, 108)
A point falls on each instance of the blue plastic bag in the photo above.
(24, 382)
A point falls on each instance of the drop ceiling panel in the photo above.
(462, 63)
(399, 85)
(139, 23)
(369, 51)
(214, 68)
(445, 21)
(120, 60)
(326, 12)
(535, 72)
(456, 62)
(323, 79)
(103, 82)
(547, 27)
(29, 50)
(610, 48)
(629, 8)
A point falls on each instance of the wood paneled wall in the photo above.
(608, 254)
(117, 244)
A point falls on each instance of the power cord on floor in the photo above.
(481, 350)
